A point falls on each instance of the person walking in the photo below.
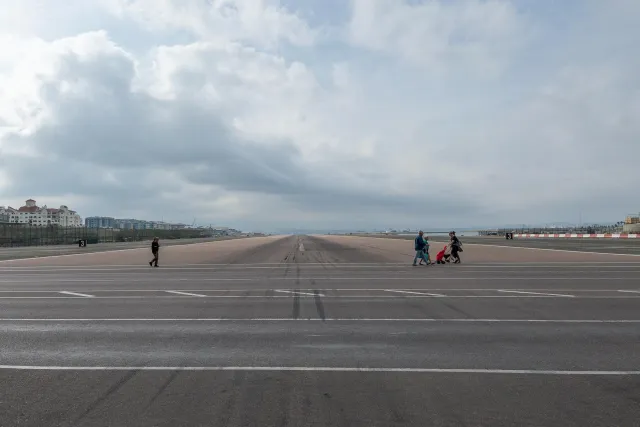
(426, 250)
(420, 245)
(155, 250)
(456, 247)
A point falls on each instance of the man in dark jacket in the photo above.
(456, 247)
(420, 245)
(155, 249)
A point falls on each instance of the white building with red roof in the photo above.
(35, 215)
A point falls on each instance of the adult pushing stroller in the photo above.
(456, 247)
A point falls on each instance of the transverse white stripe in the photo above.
(189, 294)
(537, 293)
(76, 294)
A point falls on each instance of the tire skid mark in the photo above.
(114, 388)
(163, 387)
(319, 305)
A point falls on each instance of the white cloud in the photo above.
(440, 35)
(261, 22)
(256, 120)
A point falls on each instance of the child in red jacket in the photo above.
(442, 257)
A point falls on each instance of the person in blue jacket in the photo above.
(420, 246)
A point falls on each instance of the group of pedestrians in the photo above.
(451, 251)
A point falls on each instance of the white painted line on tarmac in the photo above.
(628, 291)
(301, 247)
(345, 298)
(415, 293)
(545, 265)
(550, 250)
(236, 290)
(537, 293)
(130, 280)
(167, 297)
(189, 294)
(262, 279)
(484, 265)
(342, 319)
(299, 293)
(76, 294)
(324, 369)
(429, 289)
(35, 279)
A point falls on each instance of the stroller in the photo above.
(442, 257)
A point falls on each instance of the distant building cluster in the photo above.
(632, 224)
(139, 224)
(130, 224)
(44, 216)
(38, 216)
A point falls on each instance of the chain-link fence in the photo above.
(30, 235)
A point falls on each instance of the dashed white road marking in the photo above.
(189, 294)
(76, 294)
(324, 369)
(537, 293)
(415, 293)
(299, 293)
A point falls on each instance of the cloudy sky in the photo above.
(267, 114)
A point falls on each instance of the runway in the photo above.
(320, 331)
(597, 245)
(19, 252)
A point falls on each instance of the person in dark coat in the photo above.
(155, 250)
(456, 247)
(420, 245)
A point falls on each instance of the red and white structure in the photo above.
(577, 236)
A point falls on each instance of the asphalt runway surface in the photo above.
(320, 331)
(19, 252)
(602, 245)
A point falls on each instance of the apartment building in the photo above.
(35, 215)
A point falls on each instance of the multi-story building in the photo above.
(137, 224)
(35, 215)
(100, 222)
(631, 224)
(129, 224)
